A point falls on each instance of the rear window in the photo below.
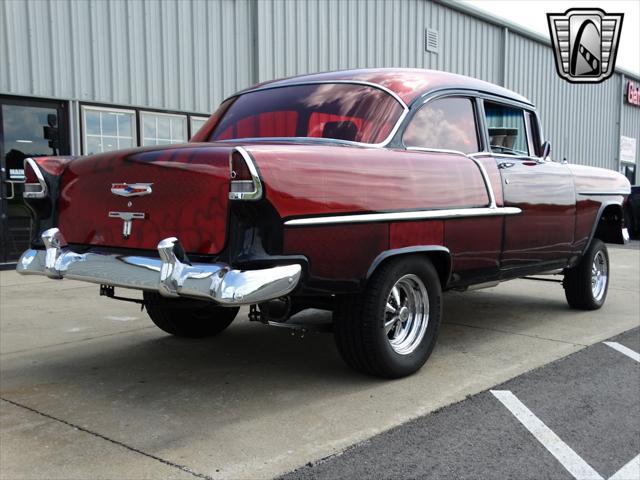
(341, 111)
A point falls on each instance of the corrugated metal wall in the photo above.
(299, 37)
(189, 54)
(179, 55)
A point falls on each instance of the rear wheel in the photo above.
(391, 329)
(586, 284)
(186, 317)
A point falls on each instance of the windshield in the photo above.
(341, 111)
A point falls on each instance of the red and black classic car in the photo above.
(366, 192)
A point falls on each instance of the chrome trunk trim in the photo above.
(172, 275)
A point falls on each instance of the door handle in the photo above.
(506, 164)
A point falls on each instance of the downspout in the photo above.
(255, 54)
(620, 107)
(505, 51)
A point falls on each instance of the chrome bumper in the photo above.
(172, 274)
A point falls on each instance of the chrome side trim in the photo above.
(412, 215)
(43, 184)
(385, 142)
(487, 181)
(172, 275)
(255, 177)
(605, 193)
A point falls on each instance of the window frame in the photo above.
(79, 119)
(99, 108)
(183, 116)
(476, 117)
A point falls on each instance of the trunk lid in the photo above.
(187, 198)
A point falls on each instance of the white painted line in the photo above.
(120, 319)
(631, 471)
(624, 350)
(563, 452)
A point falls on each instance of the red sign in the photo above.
(633, 93)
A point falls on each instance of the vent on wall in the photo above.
(431, 40)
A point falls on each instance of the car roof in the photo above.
(407, 83)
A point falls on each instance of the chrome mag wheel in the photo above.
(599, 275)
(406, 314)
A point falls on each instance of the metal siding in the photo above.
(371, 33)
(169, 54)
(188, 55)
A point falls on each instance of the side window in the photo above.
(447, 123)
(506, 129)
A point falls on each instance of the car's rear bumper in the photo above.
(172, 274)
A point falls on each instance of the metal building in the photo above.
(109, 74)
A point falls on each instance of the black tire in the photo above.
(632, 228)
(359, 321)
(578, 281)
(186, 317)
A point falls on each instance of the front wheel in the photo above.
(586, 284)
(391, 329)
(186, 317)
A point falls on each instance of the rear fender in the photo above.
(439, 256)
(44, 211)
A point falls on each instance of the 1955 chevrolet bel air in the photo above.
(364, 192)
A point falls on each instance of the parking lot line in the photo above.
(631, 471)
(569, 459)
(624, 350)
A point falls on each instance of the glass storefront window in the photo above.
(107, 129)
(163, 128)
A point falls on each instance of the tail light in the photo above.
(245, 182)
(35, 185)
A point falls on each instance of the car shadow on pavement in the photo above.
(249, 355)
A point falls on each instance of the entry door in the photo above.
(22, 135)
(544, 232)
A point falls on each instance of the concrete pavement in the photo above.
(93, 389)
(590, 400)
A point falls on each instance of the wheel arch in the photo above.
(608, 224)
(439, 255)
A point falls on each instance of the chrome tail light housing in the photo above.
(245, 183)
(35, 185)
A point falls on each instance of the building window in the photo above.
(196, 124)
(107, 129)
(163, 128)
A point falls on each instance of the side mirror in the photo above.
(546, 149)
